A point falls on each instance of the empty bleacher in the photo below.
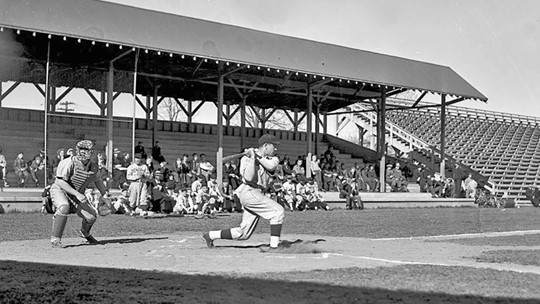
(504, 147)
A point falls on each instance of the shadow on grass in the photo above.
(25, 282)
(283, 244)
(119, 241)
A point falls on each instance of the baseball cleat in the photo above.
(57, 244)
(209, 241)
(89, 238)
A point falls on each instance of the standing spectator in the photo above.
(119, 170)
(231, 171)
(181, 171)
(102, 169)
(316, 171)
(3, 168)
(156, 152)
(399, 183)
(21, 170)
(37, 169)
(194, 166)
(139, 148)
(470, 185)
(150, 164)
(458, 175)
(419, 176)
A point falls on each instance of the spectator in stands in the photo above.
(181, 174)
(329, 179)
(60, 155)
(41, 154)
(329, 154)
(139, 148)
(3, 168)
(150, 164)
(458, 174)
(470, 185)
(362, 180)
(449, 188)
(314, 198)
(285, 162)
(232, 174)
(289, 192)
(299, 167)
(37, 171)
(372, 179)
(165, 172)
(126, 160)
(316, 171)
(21, 170)
(119, 170)
(350, 192)
(194, 166)
(419, 176)
(184, 202)
(399, 183)
(230, 200)
(435, 185)
(160, 200)
(202, 203)
(156, 152)
(102, 169)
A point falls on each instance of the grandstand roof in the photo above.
(276, 67)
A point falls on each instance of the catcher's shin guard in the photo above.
(59, 223)
(86, 226)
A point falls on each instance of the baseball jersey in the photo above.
(77, 175)
(263, 176)
(136, 172)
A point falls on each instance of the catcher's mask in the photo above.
(84, 149)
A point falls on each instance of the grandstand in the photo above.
(23, 132)
(503, 147)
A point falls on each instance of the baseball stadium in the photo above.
(160, 131)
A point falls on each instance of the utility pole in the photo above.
(65, 106)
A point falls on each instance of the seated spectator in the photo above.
(350, 192)
(159, 196)
(207, 202)
(449, 188)
(150, 165)
(232, 174)
(285, 162)
(182, 172)
(102, 169)
(329, 178)
(184, 202)
(372, 179)
(315, 201)
(120, 204)
(289, 193)
(21, 170)
(470, 185)
(299, 168)
(231, 202)
(37, 171)
(398, 182)
(435, 185)
(3, 168)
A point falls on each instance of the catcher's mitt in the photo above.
(103, 207)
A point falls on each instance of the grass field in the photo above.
(24, 282)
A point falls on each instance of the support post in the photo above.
(154, 115)
(243, 123)
(381, 143)
(46, 107)
(317, 127)
(325, 121)
(110, 98)
(308, 130)
(219, 161)
(148, 111)
(295, 123)
(443, 131)
(189, 115)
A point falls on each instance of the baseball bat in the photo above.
(232, 157)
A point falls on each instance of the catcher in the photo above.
(73, 176)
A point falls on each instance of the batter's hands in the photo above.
(250, 153)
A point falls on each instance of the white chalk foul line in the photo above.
(463, 235)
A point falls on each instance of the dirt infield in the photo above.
(175, 266)
(187, 253)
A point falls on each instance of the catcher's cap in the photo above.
(85, 144)
(268, 139)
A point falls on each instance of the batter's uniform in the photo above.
(256, 204)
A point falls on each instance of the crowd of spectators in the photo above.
(189, 185)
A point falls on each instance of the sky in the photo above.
(494, 45)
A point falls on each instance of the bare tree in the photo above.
(169, 110)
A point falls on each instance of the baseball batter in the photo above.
(73, 176)
(255, 169)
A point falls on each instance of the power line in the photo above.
(65, 106)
